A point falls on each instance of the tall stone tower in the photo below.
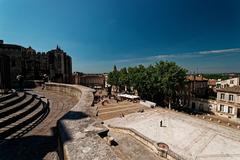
(5, 80)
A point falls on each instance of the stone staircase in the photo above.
(20, 112)
(113, 110)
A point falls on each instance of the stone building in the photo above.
(14, 52)
(229, 102)
(229, 82)
(96, 81)
(60, 66)
(5, 83)
(197, 86)
(203, 105)
(32, 65)
(226, 105)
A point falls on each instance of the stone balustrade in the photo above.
(78, 129)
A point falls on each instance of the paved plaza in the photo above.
(189, 137)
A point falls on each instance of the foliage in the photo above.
(113, 77)
(216, 76)
(161, 81)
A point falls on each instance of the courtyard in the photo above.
(189, 137)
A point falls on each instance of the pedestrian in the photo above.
(45, 79)
(161, 123)
(20, 82)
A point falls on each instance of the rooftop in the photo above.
(212, 82)
(234, 89)
(196, 78)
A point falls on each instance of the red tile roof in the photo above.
(234, 89)
(212, 82)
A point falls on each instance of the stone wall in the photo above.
(72, 90)
(161, 149)
(5, 79)
(89, 80)
(78, 129)
(204, 105)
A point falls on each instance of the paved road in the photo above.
(41, 142)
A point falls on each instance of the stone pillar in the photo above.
(5, 80)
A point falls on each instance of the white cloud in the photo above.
(179, 55)
(223, 51)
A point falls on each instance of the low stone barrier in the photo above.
(72, 90)
(78, 129)
(148, 104)
(161, 149)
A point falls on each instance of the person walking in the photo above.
(20, 82)
(45, 79)
(161, 123)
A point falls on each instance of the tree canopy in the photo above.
(161, 81)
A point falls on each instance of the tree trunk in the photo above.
(169, 103)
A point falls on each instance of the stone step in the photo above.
(22, 124)
(8, 96)
(31, 124)
(102, 109)
(19, 114)
(38, 109)
(120, 110)
(114, 104)
(16, 107)
(118, 113)
(12, 101)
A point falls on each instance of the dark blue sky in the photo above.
(201, 35)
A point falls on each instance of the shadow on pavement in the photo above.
(36, 147)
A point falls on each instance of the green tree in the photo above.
(171, 80)
(123, 79)
(161, 82)
(113, 78)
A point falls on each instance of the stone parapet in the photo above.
(78, 129)
(161, 149)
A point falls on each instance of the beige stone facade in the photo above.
(226, 105)
(229, 82)
(203, 105)
(96, 81)
(229, 102)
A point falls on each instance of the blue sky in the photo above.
(200, 35)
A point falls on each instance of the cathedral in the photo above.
(32, 65)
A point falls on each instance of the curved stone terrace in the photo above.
(41, 141)
(74, 136)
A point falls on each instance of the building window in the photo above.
(222, 96)
(221, 108)
(230, 97)
(225, 85)
(230, 110)
(232, 81)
